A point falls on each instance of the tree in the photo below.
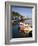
(15, 14)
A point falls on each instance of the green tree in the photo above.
(15, 14)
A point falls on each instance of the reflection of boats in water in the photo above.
(25, 27)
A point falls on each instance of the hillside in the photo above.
(15, 14)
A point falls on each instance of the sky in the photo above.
(24, 11)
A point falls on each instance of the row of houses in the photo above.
(26, 19)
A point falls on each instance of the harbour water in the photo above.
(15, 30)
